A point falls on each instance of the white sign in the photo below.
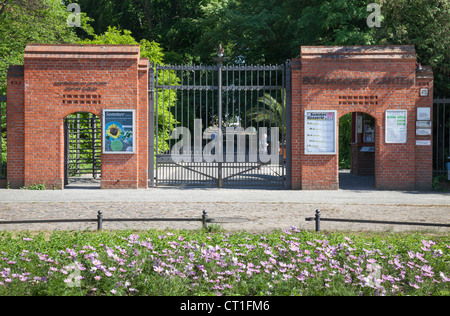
(320, 132)
(423, 131)
(423, 114)
(423, 124)
(423, 92)
(423, 142)
(395, 126)
(359, 122)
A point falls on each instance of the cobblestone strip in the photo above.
(264, 216)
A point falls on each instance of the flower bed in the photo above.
(289, 262)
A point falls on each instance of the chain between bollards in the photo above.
(203, 219)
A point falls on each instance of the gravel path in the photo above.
(249, 210)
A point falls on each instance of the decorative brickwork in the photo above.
(368, 80)
(63, 79)
(57, 80)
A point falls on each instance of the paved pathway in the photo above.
(265, 209)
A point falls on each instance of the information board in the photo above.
(396, 126)
(118, 132)
(320, 132)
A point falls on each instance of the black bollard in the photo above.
(317, 219)
(99, 220)
(204, 217)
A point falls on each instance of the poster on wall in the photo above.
(118, 132)
(396, 127)
(320, 132)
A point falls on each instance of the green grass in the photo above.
(212, 262)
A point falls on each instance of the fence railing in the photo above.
(317, 218)
(441, 135)
(100, 220)
(205, 220)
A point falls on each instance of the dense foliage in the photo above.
(289, 262)
(252, 31)
(271, 31)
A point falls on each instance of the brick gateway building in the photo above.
(390, 99)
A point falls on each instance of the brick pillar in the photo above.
(364, 79)
(64, 79)
(15, 127)
(424, 148)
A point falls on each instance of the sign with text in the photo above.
(396, 126)
(118, 132)
(320, 132)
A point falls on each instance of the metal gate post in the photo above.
(288, 123)
(151, 126)
(219, 114)
(66, 152)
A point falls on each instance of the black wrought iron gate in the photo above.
(82, 132)
(250, 104)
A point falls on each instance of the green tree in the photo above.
(172, 23)
(424, 24)
(30, 21)
(271, 111)
(165, 121)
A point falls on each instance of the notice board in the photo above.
(396, 126)
(320, 132)
(118, 132)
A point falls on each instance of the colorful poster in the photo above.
(396, 127)
(118, 132)
(320, 132)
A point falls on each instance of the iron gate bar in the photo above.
(252, 168)
(441, 136)
(83, 146)
(219, 95)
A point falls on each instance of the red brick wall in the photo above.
(424, 154)
(15, 126)
(49, 70)
(395, 164)
(35, 118)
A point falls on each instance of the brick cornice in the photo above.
(71, 51)
(359, 52)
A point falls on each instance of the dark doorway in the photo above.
(357, 151)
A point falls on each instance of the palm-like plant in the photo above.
(271, 112)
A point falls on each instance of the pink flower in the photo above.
(414, 285)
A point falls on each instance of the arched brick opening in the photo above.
(357, 151)
(82, 149)
(376, 80)
(64, 79)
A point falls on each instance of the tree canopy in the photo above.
(252, 31)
